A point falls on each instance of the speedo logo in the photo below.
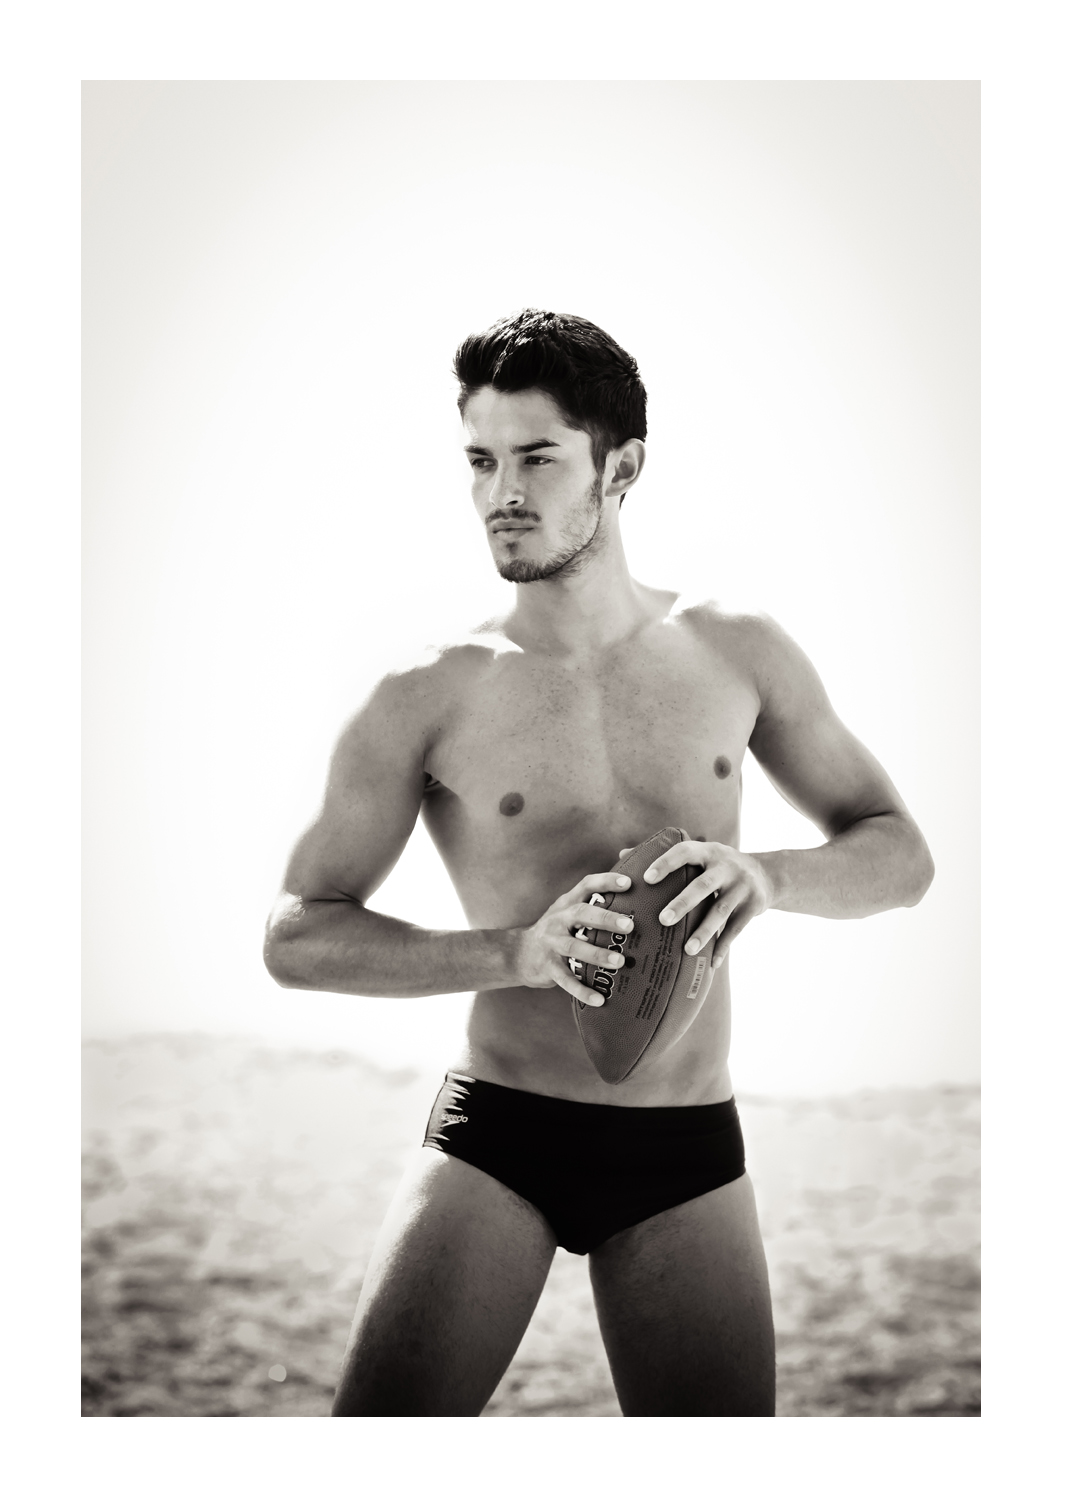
(450, 1118)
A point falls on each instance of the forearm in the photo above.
(344, 947)
(877, 863)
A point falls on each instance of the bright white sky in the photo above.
(276, 278)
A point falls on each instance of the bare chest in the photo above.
(575, 761)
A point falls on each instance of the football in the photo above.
(652, 1000)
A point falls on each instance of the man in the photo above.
(539, 749)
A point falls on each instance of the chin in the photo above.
(519, 570)
(567, 564)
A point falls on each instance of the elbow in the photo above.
(281, 961)
(921, 872)
(285, 946)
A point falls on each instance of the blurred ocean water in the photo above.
(233, 1191)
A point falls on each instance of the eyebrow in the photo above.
(517, 451)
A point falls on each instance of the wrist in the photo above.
(771, 875)
(509, 944)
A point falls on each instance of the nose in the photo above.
(505, 491)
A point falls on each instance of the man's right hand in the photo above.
(545, 946)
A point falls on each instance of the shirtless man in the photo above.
(540, 749)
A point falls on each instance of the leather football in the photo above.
(652, 1000)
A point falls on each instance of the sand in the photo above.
(233, 1191)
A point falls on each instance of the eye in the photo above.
(481, 463)
(537, 461)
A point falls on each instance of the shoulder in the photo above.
(738, 630)
(413, 693)
(444, 667)
(753, 642)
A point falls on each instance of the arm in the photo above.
(322, 936)
(874, 857)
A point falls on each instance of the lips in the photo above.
(516, 529)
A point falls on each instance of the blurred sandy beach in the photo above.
(233, 1191)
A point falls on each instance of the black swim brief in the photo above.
(591, 1168)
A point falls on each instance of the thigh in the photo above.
(685, 1310)
(450, 1287)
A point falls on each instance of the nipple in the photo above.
(722, 767)
(511, 804)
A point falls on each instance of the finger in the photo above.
(628, 850)
(698, 892)
(686, 853)
(571, 985)
(583, 949)
(731, 931)
(715, 920)
(590, 916)
(598, 882)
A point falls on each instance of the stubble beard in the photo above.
(582, 543)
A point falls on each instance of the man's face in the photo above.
(533, 483)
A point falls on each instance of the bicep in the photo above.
(373, 793)
(814, 761)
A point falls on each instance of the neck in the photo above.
(585, 611)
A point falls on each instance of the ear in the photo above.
(623, 467)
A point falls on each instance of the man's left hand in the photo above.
(736, 882)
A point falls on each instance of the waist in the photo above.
(526, 1039)
(677, 1118)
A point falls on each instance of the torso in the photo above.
(541, 770)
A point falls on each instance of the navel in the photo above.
(722, 767)
(511, 804)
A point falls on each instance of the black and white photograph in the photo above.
(531, 927)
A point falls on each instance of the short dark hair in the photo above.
(594, 383)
